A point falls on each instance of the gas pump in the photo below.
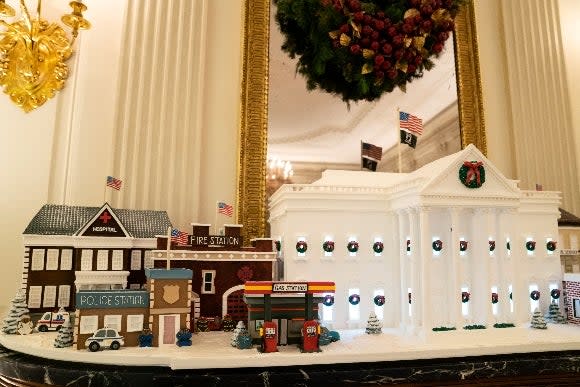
(310, 334)
(269, 333)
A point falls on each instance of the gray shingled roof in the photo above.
(57, 219)
(568, 219)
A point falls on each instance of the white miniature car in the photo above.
(104, 337)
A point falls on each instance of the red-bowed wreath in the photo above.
(551, 245)
(379, 300)
(535, 295)
(352, 246)
(472, 174)
(494, 298)
(463, 245)
(491, 245)
(245, 273)
(378, 247)
(408, 245)
(555, 293)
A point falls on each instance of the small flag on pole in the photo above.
(226, 209)
(372, 151)
(179, 237)
(370, 155)
(408, 138)
(411, 123)
(114, 183)
(539, 187)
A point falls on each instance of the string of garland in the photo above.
(360, 50)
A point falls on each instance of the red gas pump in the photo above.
(269, 333)
(310, 333)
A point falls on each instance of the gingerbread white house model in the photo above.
(450, 245)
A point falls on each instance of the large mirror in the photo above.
(251, 196)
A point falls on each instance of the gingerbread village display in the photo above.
(452, 245)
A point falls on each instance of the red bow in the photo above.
(473, 171)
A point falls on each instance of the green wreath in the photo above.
(359, 50)
(472, 174)
(463, 245)
(494, 298)
(301, 247)
(437, 245)
(551, 245)
(352, 246)
(378, 247)
(328, 246)
(530, 245)
(491, 245)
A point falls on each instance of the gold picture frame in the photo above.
(253, 133)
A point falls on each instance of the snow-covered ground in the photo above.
(213, 349)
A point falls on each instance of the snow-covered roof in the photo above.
(58, 219)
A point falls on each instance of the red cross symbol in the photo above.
(105, 217)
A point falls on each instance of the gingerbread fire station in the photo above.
(451, 244)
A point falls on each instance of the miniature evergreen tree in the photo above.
(65, 336)
(228, 325)
(244, 340)
(538, 321)
(17, 310)
(373, 324)
(241, 327)
(555, 315)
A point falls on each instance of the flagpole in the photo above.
(168, 246)
(105, 191)
(399, 158)
(215, 227)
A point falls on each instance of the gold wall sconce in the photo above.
(33, 53)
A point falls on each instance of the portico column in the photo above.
(502, 267)
(488, 230)
(455, 315)
(404, 269)
(415, 268)
(426, 257)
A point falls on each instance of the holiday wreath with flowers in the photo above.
(360, 50)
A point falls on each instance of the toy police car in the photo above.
(104, 337)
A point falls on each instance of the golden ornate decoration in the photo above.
(33, 54)
(251, 198)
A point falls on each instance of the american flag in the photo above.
(226, 209)
(539, 187)
(114, 183)
(179, 237)
(372, 151)
(411, 123)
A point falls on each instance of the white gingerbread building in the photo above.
(493, 239)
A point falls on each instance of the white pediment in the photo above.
(442, 177)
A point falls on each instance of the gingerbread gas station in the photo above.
(281, 313)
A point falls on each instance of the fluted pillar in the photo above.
(454, 295)
(415, 268)
(425, 258)
(541, 120)
(403, 269)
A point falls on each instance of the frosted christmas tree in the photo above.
(373, 325)
(240, 328)
(555, 315)
(538, 321)
(65, 336)
(18, 309)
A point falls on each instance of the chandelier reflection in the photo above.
(33, 53)
(279, 172)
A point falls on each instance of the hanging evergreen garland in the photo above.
(462, 245)
(361, 49)
(301, 246)
(328, 246)
(328, 300)
(494, 298)
(551, 245)
(555, 293)
(378, 247)
(437, 245)
(379, 300)
(472, 174)
(465, 297)
(530, 245)
(352, 246)
(354, 299)
(491, 245)
(535, 295)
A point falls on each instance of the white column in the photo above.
(404, 269)
(425, 258)
(415, 269)
(487, 230)
(454, 294)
